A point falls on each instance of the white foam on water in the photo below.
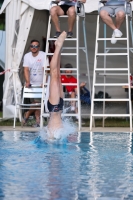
(61, 134)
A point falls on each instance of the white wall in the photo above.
(2, 48)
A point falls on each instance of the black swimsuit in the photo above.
(55, 108)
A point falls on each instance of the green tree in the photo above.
(1, 2)
(2, 21)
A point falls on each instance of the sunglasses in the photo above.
(34, 46)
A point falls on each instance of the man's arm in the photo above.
(27, 76)
(82, 84)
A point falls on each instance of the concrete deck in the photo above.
(84, 129)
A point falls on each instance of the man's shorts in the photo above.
(112, 10)
(65, 8)
(57, 107)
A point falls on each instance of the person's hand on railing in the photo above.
(27, 84)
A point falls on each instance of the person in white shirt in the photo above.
(110, 8)
(33, 64)
(64, 8)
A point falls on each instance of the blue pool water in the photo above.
(94, 166)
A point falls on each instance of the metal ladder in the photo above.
(105, 71)
(75, 48)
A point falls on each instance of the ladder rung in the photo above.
(68, 39)
(63, 16)
(70, 99)
(111, 38)
(63, 54)
(112, 54)
(111, 115)
(111, 69)
(110, 84)
(113, 74)
(117, 48)
(82, 48)
(111, 99)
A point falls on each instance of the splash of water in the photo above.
(59, 134)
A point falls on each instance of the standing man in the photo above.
(114, 8)
(64, 8)
(34, 62)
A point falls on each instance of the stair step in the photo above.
(110, 84)
(111, 115)
(111, 54)
(111, 69)
(113, 74)
(67, 39)
(111, 99)
(70, 99)
(63, 54)
(111, 39)
(69, 84)
(82, 48)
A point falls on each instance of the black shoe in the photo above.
(57, 34)
(69, 34)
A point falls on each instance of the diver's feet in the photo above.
(60, 40)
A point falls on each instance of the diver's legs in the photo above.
(55, 84)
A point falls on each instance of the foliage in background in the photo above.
(1, 2)
(2, 22)
(110, 122)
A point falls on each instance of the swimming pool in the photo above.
(94, 166)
